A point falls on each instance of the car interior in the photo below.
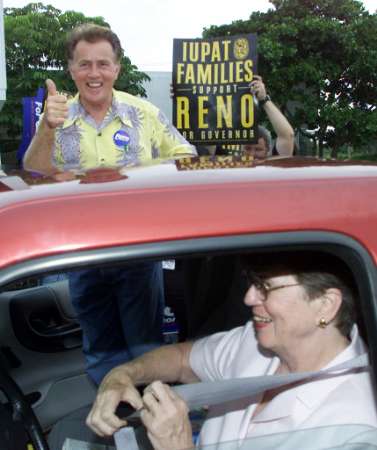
(42, 366)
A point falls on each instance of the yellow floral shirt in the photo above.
(134, 132)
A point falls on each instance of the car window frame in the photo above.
(355, 255)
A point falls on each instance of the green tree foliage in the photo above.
(319, 61)
(34, 46)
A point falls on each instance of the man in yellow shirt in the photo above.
(102, 127)
(133, 132)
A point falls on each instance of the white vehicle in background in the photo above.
(158, 91)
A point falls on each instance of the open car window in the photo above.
(204, 294)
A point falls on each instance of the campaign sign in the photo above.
(212, 101)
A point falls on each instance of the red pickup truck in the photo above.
(198, 217)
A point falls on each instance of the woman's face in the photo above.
(284, 319)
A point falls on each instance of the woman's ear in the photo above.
(331, 301)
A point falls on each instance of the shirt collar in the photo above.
(77, 111)
(312, 394)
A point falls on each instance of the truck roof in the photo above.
(40, 216)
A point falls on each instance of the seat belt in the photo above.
(125, 439)
(210, 393)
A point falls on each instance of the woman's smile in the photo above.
(261, 321)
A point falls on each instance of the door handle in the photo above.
(43, 329)
(69, 335)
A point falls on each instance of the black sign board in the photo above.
(212, 100)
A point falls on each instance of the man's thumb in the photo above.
(51, 87)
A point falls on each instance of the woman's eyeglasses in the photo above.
(262, 286)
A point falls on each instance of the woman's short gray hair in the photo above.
(317, 272)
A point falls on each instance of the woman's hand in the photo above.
(165, 416)
(116, 387)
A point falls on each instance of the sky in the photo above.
(146, 28)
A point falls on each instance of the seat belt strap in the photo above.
(125, 439)
(209, 393)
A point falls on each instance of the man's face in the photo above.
(94, 70)
(258, 150)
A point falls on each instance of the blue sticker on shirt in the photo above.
(121, 139)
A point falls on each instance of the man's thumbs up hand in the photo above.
(56, 108)
(51, 87)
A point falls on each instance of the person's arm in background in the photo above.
(169, 363)
(283, 129)
(38, 156)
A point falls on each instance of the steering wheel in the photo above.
(22, 410)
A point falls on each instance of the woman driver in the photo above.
(302, 319)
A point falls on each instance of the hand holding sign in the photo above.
(56, 108)
(258, 88)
